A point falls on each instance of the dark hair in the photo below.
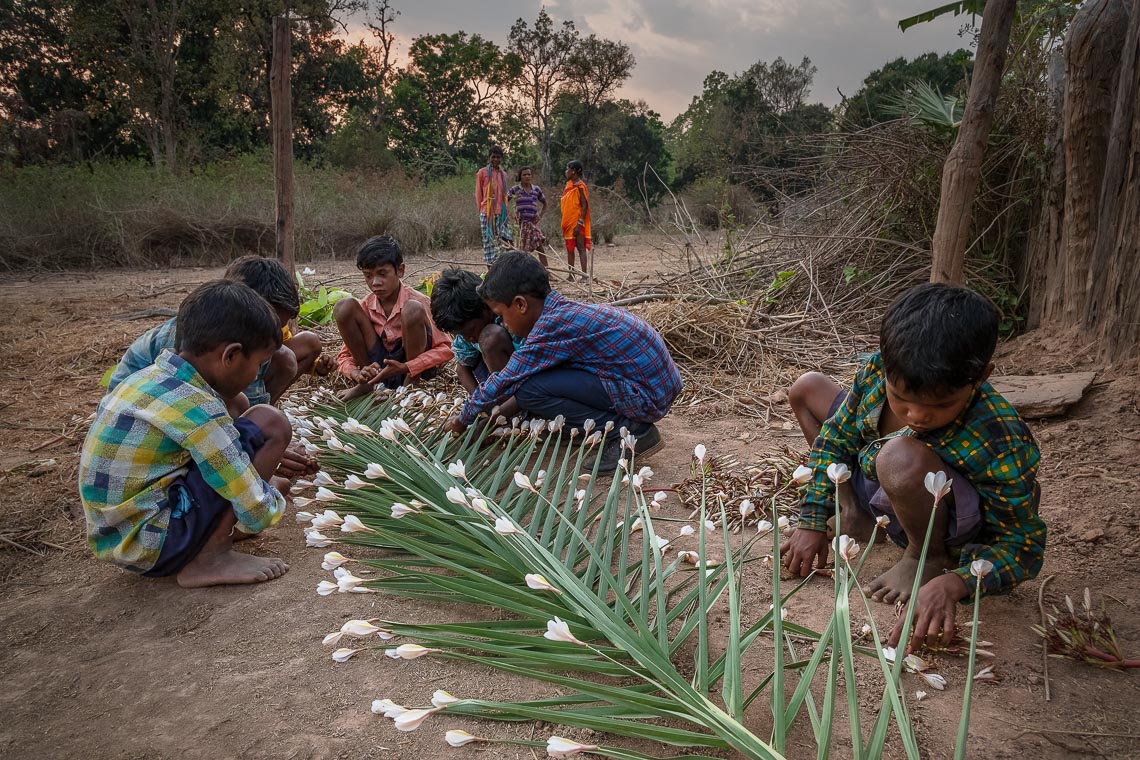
(269, 279)
(938, 337)
(576, 165)
(496, 150)
(518, 175)
(514, 274)
(377, 251)
(455, 299)
(225, 311)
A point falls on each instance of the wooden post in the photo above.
(963, 168)
(281, 97)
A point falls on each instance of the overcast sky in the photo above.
(678, 42)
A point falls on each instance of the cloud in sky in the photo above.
(678, 42)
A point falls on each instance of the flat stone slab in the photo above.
(1037, 396)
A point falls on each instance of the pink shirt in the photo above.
(390, 328)
(498, 193)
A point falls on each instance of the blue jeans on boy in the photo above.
(575, 394)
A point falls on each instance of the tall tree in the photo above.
(545, 53)
(872, 102)
(963, 167)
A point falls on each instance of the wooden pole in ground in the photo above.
(963, 168)
(280, 91)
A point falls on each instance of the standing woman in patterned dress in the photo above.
(530, 206)
(491, 200)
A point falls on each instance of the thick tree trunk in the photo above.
(1113, 308)
(1092, 52)
(1043, 261)
(964, 164)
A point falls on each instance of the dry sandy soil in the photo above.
(101, 663)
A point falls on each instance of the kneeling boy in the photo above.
(482, 346)
(923, 405)
(579, 360)
(168, 480)
(388, 336)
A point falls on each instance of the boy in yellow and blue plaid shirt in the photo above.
(167, 478)
(922, 404)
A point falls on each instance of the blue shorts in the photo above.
(379, 353)
(196, 508)
(964, 506)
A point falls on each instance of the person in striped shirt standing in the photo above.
(167, 478)
(530, 206)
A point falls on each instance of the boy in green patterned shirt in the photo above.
(168, 480)
(922, 404)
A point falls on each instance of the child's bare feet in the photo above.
(895, 584)
(230, 567)
(355, 391)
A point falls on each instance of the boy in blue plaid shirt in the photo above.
(922, 404)
(167, 478)
(579, 360)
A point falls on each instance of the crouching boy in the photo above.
(579, 360)
(168, 480)
(922, 404)
(482, 346)
(388, 336)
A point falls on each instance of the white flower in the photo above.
(980, 568)
(346, 581)
(889, 654)
(985, 674)
(538, 583)
(480, 506)
(522, 481)
(327, 519)
(838, 472)
(882, 521)
(763, 526)
(324, 588)
(456, 496)
(411, 720)
(411, 651)
(442, 699)
(301, 501)
(386, 431)
(919, 696)
(355, 427)
(336, 445)
(324, 494)
(689, 556)
(399, 510)
(333, 560)
(937, 484)
(914, 663)
(662, 543)
(457, 470)
(557, 630)
(359, 628)
(343, 654)
(504, 526)
(323, 479)
(457, 738)
(352, 524)
(316, 540)
(580, 494)
(699, 452)
(746, 508)
(558, 747)
(387, 708)
(784, 524)
(710, 525)
(352, 483)
(845, 547)
(801, 475)
(659, 497)
(635, 525)
(588, 426)
(934, 680)
(638, 481)
(865, 629)
(688, 530)
(646, 473)
(374, 471)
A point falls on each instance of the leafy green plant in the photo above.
(317, 305)
(779, 283)
(500, 517)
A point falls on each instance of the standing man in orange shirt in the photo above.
(575, 216)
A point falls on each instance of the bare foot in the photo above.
(230, 567)
(355, 392)
(854, 521)
(895, 584)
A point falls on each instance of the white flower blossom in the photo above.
(333, 560)
(456, 496)
(374, 472)
(411, 720)
(558, 630)
(324, 494)
(937, 484)
(457, 470)
(353, 483)
(399, 510)
(344, 654)
(505, 527)
(699, 452)
(457, 738)
(557, 747)
(838, 472)
(387, 708)
(539, 583)
(442, 699)
(352, 524)
(802, 475)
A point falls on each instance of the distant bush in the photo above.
(128, 214)
(712, 200)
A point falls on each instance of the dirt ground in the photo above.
(102, 663)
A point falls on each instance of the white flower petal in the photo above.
(838, 472)
(539, 583)
(558, 630)
(699, 452)
(801, 475)
(343, 654)
(558, 747)
(442, 699)
(352, 524)
(457, 738)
